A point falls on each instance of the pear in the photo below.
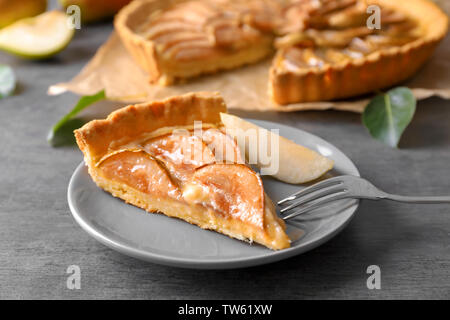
(95, 10)
(241, 191)
(11, 11)
(296, 164)
(122, 166)
(39, 37)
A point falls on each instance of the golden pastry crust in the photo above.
(135, 128)
(100, 137)
(380, 69)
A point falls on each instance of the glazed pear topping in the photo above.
(242, 200)
(194, 30)
(182, 154)
(335, 31)
(140, 171)
(205, 171)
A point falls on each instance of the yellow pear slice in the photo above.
(297, 164)
(39, 37)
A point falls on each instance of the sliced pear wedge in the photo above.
(297, 164)
(234, 190)
(39, 37)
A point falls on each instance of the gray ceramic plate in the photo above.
(160, 239)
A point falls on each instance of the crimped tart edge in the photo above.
(97, 138)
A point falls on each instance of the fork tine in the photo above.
(314, 187)
(317, 204)
(314, 195)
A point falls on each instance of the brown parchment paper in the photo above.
(113, 70)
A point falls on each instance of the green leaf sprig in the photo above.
(7, 81)
(62, 132)
(388, 114)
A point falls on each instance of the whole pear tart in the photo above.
(324, 48)
(151, 156)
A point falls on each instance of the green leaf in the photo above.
(7, 81)
(62, 131)
(64, 135)
(388, 115)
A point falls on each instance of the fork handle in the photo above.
(424, 200)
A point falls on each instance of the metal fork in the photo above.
(342, 187)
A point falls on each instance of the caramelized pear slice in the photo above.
(296, 164)
(233, 190)
(223, 146)
(141, 172)
(181, 153)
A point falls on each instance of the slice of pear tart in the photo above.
(175, 157)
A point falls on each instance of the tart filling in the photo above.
(184, 168)
(339, 35)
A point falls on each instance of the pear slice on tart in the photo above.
(181, 154)
(235, 190)
(228, 190)
(139, 170)
(296, 163)
(38, 37)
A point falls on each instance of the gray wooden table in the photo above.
(39, 238)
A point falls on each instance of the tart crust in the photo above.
(126, 130)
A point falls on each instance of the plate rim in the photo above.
(210, 264)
